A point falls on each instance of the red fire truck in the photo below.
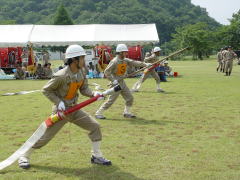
(105, 54)
(9, 58)
(135, 53)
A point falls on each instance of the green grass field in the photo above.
(190, 132)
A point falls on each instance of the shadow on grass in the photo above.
(94, 172)
(146, 122)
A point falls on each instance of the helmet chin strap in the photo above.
(76, 61)
(74, 66)
(78, 66)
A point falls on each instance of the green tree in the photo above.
(233, 32)
(166, 14)
(7, 22)
(62, 17)
(196, 36)
(229, 34)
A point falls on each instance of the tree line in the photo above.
(167, 14)
(179, 23)
(204, 40)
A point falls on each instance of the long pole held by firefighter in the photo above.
(157, 62)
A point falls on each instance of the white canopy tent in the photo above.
(59, 35)
(15, 35)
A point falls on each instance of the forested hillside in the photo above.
(167, 14)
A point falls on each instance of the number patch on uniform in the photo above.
(74, 86)
(121, 69)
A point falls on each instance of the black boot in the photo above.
(100, 160)
(226, 74)
(230, 73)
(129, 115)
(217, 69)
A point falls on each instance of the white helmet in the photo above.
(74, 51)
(121, 48)
(156, 49)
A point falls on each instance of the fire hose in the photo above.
(97, 87)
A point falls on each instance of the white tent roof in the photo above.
(55, 35)
(15, 35)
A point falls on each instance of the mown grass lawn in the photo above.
(190, 132)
